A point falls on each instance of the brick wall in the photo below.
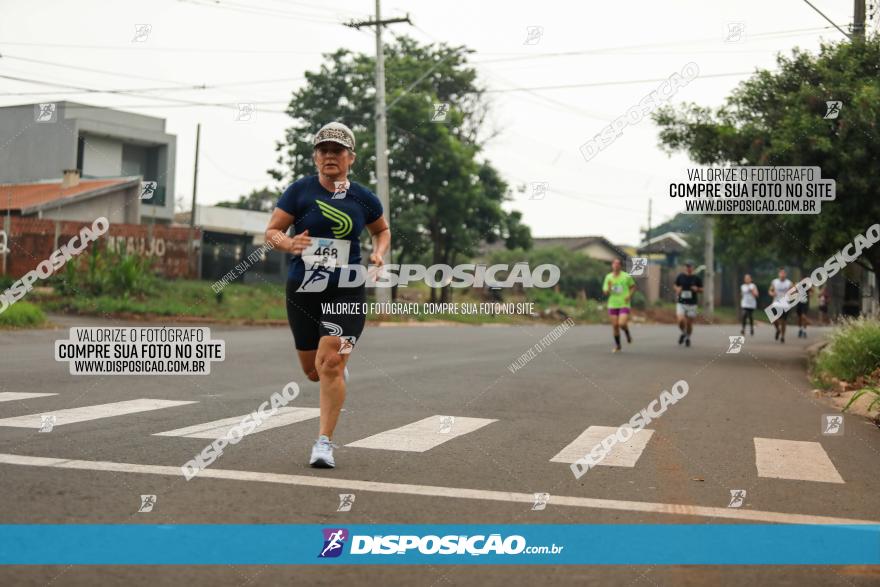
(31, 240)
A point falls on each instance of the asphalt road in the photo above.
(700, 449)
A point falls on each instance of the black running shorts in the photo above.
(336, 311)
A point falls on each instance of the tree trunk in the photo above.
(437, 254)
(874, 260)
(446, 291)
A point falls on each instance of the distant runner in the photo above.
(687, 286)
(803, 320)
(824, 299)
(619, 287)
(328, 214)
(778, 288)
(748, 302)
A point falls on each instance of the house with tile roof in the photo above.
(69, 198)
(106, 147)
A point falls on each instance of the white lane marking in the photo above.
(218, 428)
(83, 414)
(794, 459)
(422, 435)
(622, 454)
(11, 396)
(434, 491)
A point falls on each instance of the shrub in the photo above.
(854, 351)
(22, 315)
(544, 298)
(108, 272)
(638, 301)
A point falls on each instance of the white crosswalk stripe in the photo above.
(794, 459)
(86, 413)
(774, 458)
(422, 435)
(11, 396)
(218, 428)
(622, 454)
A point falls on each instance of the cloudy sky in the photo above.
(608, 54)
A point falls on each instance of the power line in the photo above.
(612, 83)
(179, 87)
(134, 47)
(846, 34)
(546, 100)
(316, 9)
(202, 86)
(89, 69)
(567, 193)
(714, 40)
(99, 91)
(138, 92)
(249, 9)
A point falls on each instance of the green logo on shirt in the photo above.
(342, 222)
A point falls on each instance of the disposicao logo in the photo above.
(334, 541)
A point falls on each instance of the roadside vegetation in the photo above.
(22, 315)
(851, 362)
(115, 284)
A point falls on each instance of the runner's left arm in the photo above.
(381, 236)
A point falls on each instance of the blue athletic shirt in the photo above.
(314, 209)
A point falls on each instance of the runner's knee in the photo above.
(330, 364)
(329, 361)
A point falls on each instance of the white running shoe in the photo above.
(322, 454)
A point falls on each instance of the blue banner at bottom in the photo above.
(516, 544)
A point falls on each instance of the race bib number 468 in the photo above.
(327, 252)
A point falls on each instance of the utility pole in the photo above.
(192, 214)
(7, 228)
(859, 18)
(648, 234)
(383, 294)
(709, 254)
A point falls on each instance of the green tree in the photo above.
(578, 274)
(445, 198)
(777, 118)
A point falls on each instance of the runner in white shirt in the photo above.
(778, 288)
(748, 302)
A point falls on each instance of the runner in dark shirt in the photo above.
(328, 213)
(687, 288)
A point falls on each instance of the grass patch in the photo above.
(183, 298)
(265, 301)
(22, 315)
(853, 352)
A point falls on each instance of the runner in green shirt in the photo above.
(619, 286)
